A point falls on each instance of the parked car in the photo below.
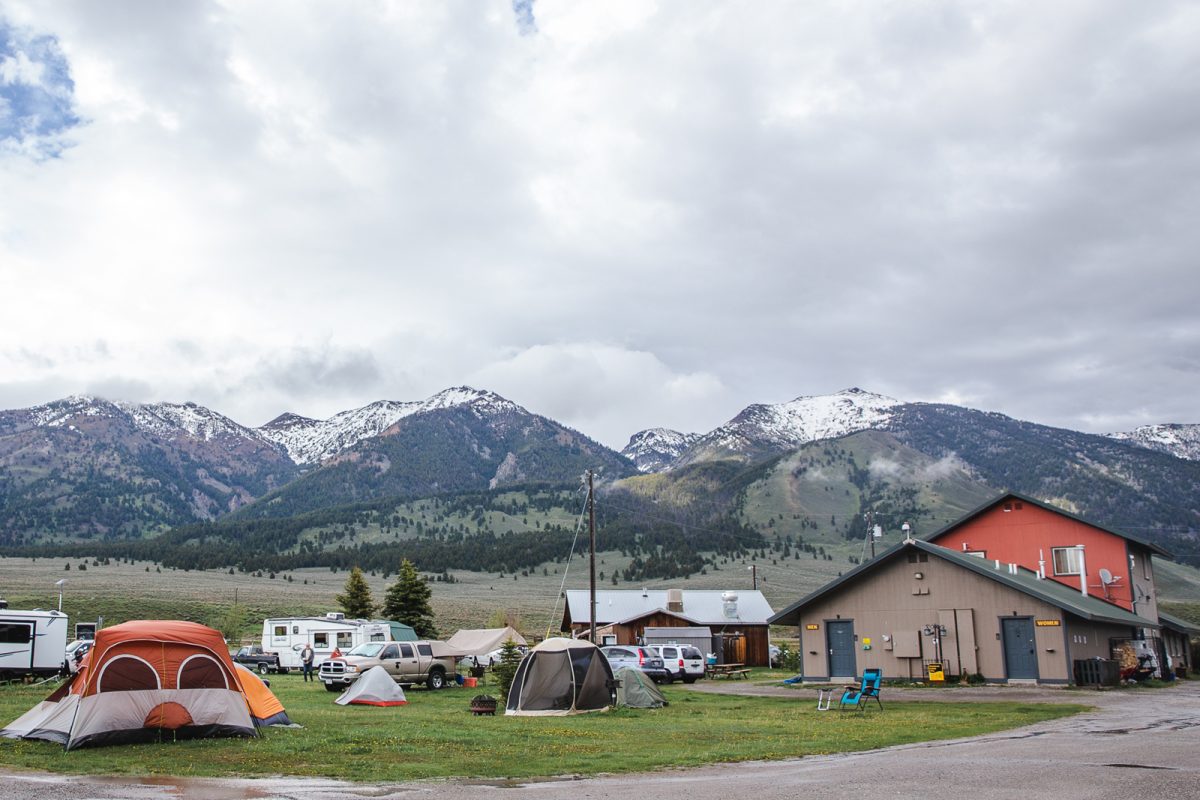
(683, 662)
(489, 659)
(76, 650)
(638, 657)
(406, 662)
(258, 659)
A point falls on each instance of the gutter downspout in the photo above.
(1082, 571)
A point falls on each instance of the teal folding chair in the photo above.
(859, 696)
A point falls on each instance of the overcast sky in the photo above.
(617, 214)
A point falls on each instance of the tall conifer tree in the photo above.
(407, 601)
(357, 601)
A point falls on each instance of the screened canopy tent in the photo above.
(637, 690)
(374, 687)
(151, 680)
(561, 677)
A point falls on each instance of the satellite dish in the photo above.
(1105, 576)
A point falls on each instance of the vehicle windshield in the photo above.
(370, 650)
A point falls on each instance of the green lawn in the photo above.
(435, 736)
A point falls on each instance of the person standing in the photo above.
(306, 658)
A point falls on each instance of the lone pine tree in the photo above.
(407, 601)
(357, 601)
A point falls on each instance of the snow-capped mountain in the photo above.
(311, 441)
(85, 466)
(459, 439)
(187, 420)
(1181, 441)
(175, 421)
(656, 449)
(764, 428)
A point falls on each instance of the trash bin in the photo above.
(1097, 672)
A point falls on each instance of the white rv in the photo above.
(32, 642)
(286, 636)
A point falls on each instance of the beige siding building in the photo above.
(920, 604)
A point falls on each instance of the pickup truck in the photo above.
(256, 658)
(406, 662)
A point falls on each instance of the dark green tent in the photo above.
(637, 690)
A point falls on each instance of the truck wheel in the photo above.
(263, 669)
(437, 679)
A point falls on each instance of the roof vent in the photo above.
(729, 604)
(675, 600)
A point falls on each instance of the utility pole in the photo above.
(592, 551)
(754, 575)
(871, 531)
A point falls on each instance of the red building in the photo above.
(1015, 529)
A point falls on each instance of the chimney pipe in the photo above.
(1082, 572)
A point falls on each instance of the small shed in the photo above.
(698, 637)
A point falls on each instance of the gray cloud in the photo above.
(642, 215)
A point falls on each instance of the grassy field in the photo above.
(120, 591)
(435, 736)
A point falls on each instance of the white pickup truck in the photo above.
(406, 662)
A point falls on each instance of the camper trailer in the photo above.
(286, 636)
(32, 642)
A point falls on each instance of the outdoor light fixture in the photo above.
(59, 583)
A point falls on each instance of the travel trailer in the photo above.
(32, 642)
(286, 636)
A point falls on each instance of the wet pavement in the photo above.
(1134, 744)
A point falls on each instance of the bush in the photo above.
(789, 659)
(506, 668)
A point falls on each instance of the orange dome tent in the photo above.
(150, 680)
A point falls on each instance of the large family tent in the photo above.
(636, 690)
(150, 680)
(559, 677)
(374, 687)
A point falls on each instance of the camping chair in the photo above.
(857, 696)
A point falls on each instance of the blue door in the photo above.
(1020, 649)
(840, 638)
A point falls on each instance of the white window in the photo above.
(1066, 560)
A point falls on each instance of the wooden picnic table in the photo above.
(730, 670)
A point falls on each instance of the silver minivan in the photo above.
(638, 657)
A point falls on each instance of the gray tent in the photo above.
(637, 690)
(559, 677)
(374, 687)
